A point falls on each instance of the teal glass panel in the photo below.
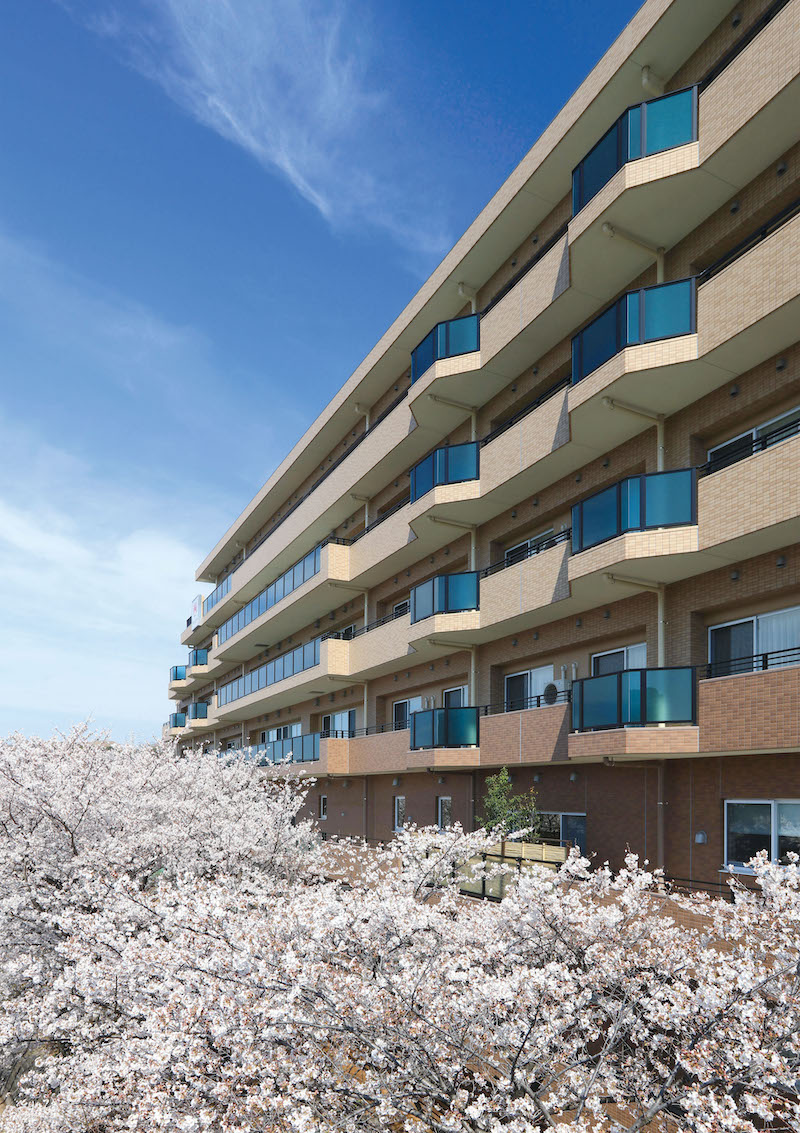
(177, 673)
(462, 336)
(422, 477)
(599, 517)
(631, 697)
(668, 310)
(668, 498)
(600, 701)
(462, 462)
(634, 132)
(308, 655)
(669, 121)
(630, 503)
(462, 591)
(599, 341)
(577, 701)
(422, 729)
(198, 657)
(423, 357)
(633, 303)
(198, 711)
(600, 165)
(462, 727)
(177, 720)
(440, 349)
(422, 601)
(669, 696)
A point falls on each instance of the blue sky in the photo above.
(210, 210)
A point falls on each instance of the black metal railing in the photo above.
(748, 446)
(752, 241)
(757, 662)
(546, 699)
(349, 633)
(743, 42)
(532, 549)
(377, 522)
(510, 284)
(565, 383)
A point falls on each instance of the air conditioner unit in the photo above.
(553, 691)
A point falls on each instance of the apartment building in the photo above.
(552, 521)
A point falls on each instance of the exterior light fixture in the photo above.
(701, 838)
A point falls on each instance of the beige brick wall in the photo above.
(526, 301)
(527, 585)
(754, 494)
(677, 740)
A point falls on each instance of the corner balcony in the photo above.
(176, 724)
(636, 712)
(444, 738)
(667, 164)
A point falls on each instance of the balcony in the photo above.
(442, 728)
(639, 503)
(451, 465)
(176, 722)
(445, 594)
(446, 340)
(216, 595)
(667, 310)
(649, 128)
(295, 749)
(749, 704)
(197, 711)
(177, 674)
(634, 698)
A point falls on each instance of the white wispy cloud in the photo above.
(292, 82)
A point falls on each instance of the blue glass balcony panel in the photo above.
(297, 749)
(445, 594)
(650, 127)
(444, 727)
(287, 665)
(635, 698)
(451, 465)
(666, 310)
(177, 673)
(655, 499)
(197, 657)
(216, 595)
(198, 711)
(282, 587)
(177, 720)
(446, 340)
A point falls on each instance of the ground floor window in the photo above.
(444, 811)
(752, 825)
(564, 826)
(399, 811)
(323, 806)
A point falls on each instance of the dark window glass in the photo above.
(608, 663)
(573, 829)
(400, 715)
(599, 341)
(788, 829)
(600, 165)
(731, 649)
(749, 830)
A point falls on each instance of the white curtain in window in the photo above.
(539, 679)
(780, 630)
(637, 656)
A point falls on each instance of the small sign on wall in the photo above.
(197, 609)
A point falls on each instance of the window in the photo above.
(400, 608)
(455, 697)
(762, 436)
(341, 724)
(402, 709)
(399, 810)
(284, 732)
(617, 660)
(233, 745)
(563, 826)
(764, 641)
(752, 825)
(444, 811)
(523, 689)
(530, 546)
(323, 807)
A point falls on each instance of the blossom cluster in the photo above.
(181, 951)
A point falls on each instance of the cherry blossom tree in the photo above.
(182, 953)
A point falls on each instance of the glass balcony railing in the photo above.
(216, 595)
(198, 711)
(666, 310)
(445, 594)
(295, 576)
(660, 124)
(297, 749)
(177, 673)
(177, 720)
(634, 697)
(457, 336)
(444, 727)
(656, 499)
(450, 465)
(296, 661)
(197, 657)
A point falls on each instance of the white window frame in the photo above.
(439, 800)
(395, 800)
(754, 619)
(508, 551)
(403, 602)
(752, 432)
(407, 700)
(736, 867)
(463, 689)
(331, 716)
(561, 815)
(620, 649)
(323, 808)
(294, 732)
(528, 673)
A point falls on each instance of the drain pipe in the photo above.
(650, 415)
(356, 590)
(365, 413)
(658, 251)
(658, 589)
(467, 291)
(473, 537)
(473, 663)
(471, 409)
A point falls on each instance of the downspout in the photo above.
(658, 589)
(660, 804)
(473, 663)
(365, 501)
(466, 291)
(365, 413)
(658, 251)
(473, 537)
(650, 415)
